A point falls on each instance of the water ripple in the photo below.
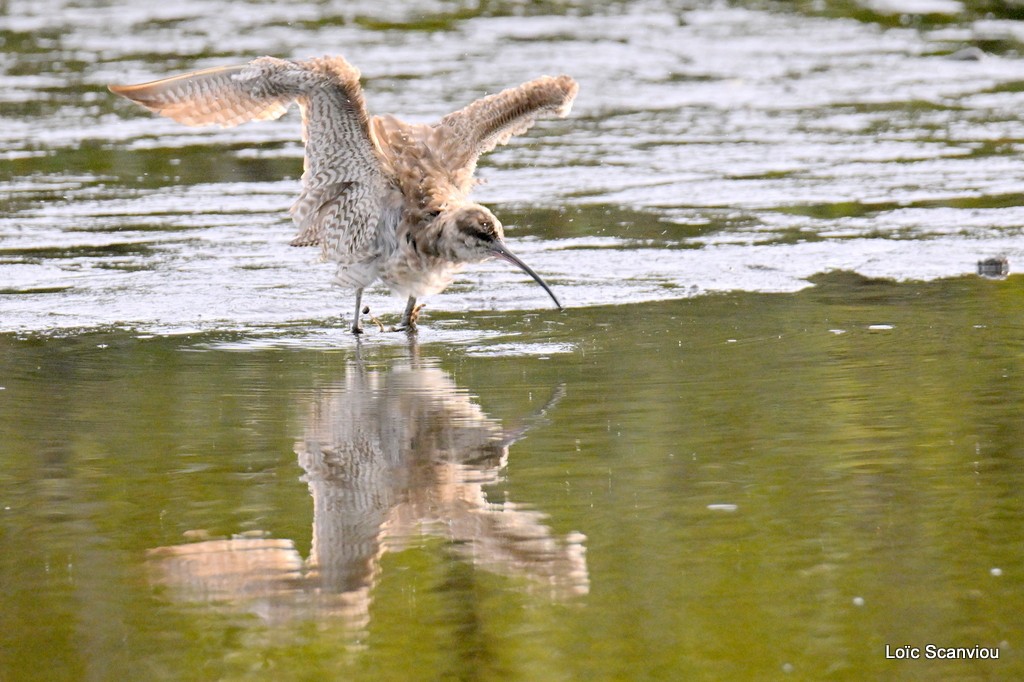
(748, 149)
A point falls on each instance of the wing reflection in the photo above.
(389, 456)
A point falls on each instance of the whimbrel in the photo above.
(384, 199)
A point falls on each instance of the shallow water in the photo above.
(777, 429)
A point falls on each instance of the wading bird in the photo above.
(384, 199)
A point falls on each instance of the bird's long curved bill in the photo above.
(503, 253)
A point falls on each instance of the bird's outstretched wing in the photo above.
(493, 120)
(221, 96)
(342, 185)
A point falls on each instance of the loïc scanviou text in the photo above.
(933, 651)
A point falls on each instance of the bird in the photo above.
(384, 199)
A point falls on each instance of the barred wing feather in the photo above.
(493, 120)
(342, 183)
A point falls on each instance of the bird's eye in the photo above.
(431, 215)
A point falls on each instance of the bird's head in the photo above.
(471, 234)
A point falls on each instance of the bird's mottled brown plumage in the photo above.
(384, 199)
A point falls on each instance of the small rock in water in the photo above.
(968, 54)
(994, 268)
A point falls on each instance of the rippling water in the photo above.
(713, 148)
(777, 429)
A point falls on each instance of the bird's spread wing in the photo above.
(343, 174)
(221, 96)
(493, 120)
(342, 185)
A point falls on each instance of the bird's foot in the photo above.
(408, 324)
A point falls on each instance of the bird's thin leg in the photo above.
(408, 321)
(357, 325)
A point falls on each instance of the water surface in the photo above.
(777, 429)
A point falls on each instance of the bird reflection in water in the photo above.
(389, 456)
